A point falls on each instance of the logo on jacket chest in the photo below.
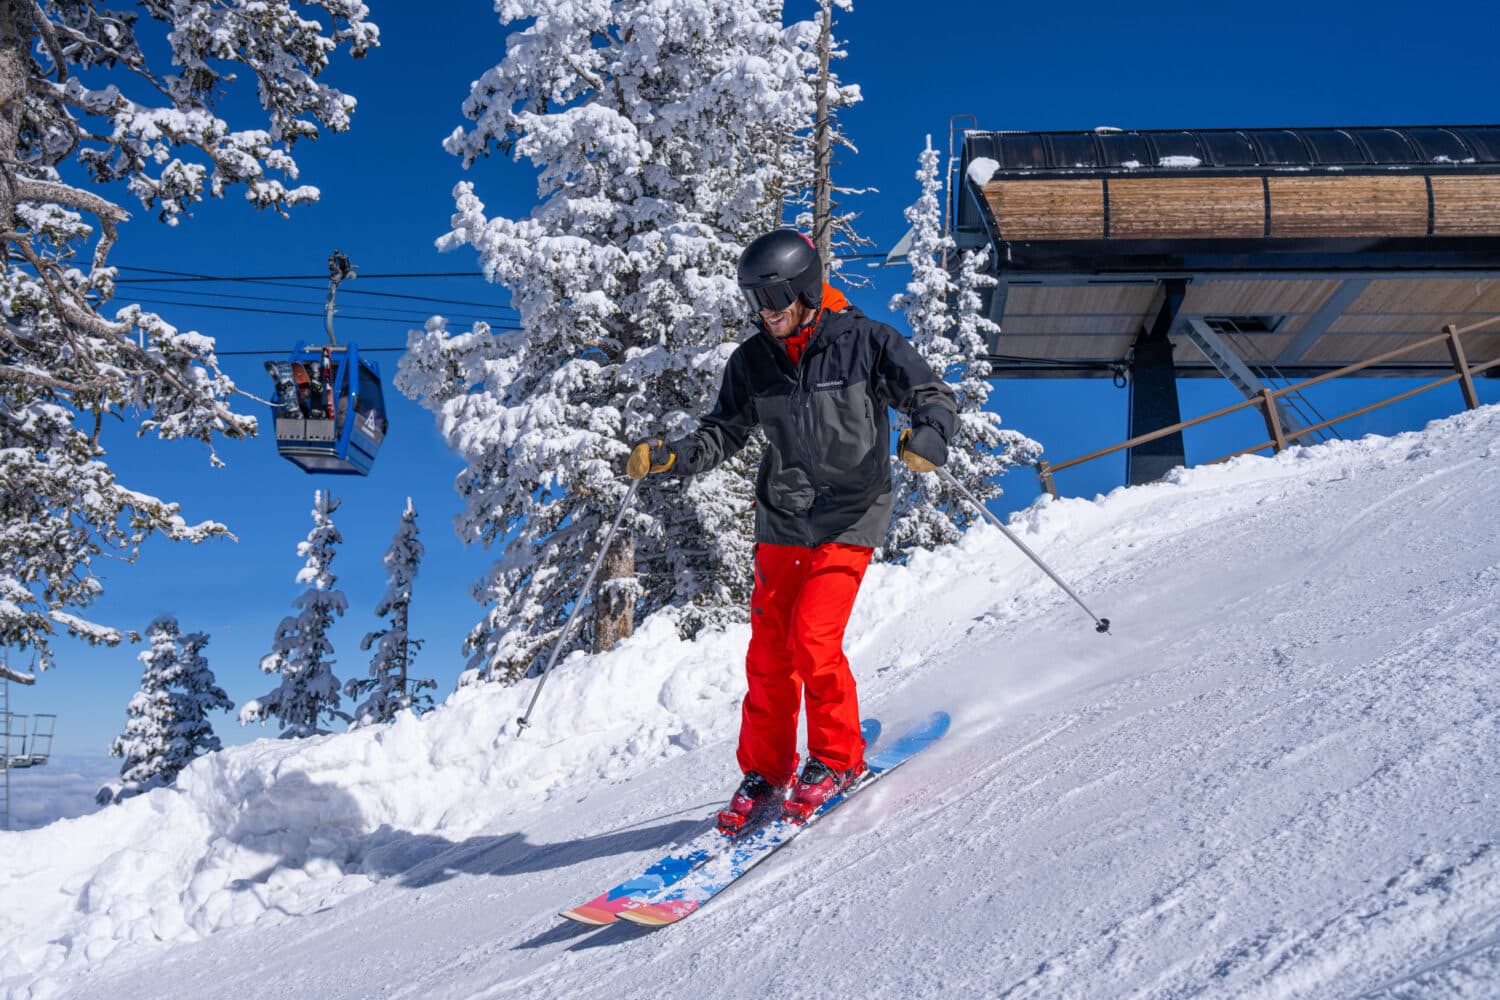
(837, 383)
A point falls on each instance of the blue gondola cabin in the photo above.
(329, 410)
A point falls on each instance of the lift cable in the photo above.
(184, 276)
(187, 276)
(351, 317)
(281, 352)
(145, 296)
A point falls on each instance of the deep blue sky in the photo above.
(386, 197)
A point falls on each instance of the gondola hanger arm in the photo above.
(339, 269)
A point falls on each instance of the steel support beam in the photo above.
(1318, 323)
(1153, 394)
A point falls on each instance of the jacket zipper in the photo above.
(802, 400)
(802, 404)
(809, 433)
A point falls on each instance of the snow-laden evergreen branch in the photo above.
(81, 92)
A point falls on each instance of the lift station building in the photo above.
(1243, 254)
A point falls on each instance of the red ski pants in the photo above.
(798, 612)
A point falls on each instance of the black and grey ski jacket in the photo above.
(826, 473)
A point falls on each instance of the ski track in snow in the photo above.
(1275, 779)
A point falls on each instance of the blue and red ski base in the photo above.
(683, 882)
(667, 872)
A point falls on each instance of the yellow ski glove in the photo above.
(650, 455)
(922, 451)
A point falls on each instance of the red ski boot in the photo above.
(753, 801)
(816, 785)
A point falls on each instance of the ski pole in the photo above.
(1100, 624)
(582, 598)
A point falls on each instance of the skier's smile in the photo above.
(788, 321)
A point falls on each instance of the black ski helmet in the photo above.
(779, 268)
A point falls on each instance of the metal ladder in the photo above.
(1208, 336)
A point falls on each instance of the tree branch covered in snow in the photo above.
(78, 95)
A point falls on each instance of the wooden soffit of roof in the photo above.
(1312, 272)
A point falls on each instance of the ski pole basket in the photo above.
(329, 410)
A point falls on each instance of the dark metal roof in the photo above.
(1360, 147)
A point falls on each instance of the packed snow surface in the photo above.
(1276, 778)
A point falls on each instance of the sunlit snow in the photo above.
(1277, 778)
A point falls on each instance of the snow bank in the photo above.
(263, 834)
(277, 828)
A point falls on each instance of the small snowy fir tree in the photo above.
(390, 688)
(984, 450)
(302, 654)
(167, 727)
(659, 132)
(925, 514)
(103, 100)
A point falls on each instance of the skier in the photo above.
(818, 378)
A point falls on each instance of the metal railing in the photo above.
(1267, 399)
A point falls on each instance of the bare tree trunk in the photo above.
(614, 618)
(822, 154)
(400, 623)
(15, 40)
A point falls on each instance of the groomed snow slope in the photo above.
(1278, 778)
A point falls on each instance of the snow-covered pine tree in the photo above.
(302, 653)
(167, 726)
(390, 688)
(84, 106)
(925, 515)
(984, 449)
(918, 519)
(658, 131)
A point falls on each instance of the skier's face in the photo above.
(788, 321)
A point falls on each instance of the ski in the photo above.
(327, 383)
(605, 908)
(286, 388)
(303, 381)
(668, 871)
(720, 871)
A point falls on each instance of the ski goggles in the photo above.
(776, 296)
